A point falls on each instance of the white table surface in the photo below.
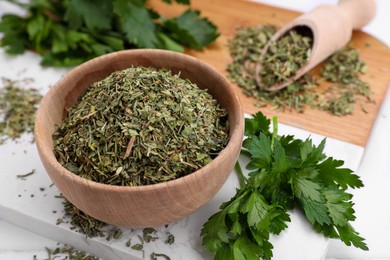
(372, 203)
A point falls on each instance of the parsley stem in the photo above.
(275, 130)
(241, 178)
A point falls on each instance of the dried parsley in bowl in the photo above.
(141, 126)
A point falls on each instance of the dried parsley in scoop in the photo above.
(284, 58)
(341, 74)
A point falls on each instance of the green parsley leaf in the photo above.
(279, 221)
(95, 15)
(191, 30)
(38, 29)
(316, 212)
(168, 43)
(339, 206)
(69, 32)
(280, 164)
(115, 43)
(260, 149)
(256, 209)
(14, 39)
(137, 23)
(259, 124)
(350, 237)
(285, 173)
(244, 248)
(242, 227)
(225, 253)
(215, 232)
(306, 188)
(13, 43)
(331, 173)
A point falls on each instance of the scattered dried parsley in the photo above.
(17, 109)
(156, 256)
(24, 176)
(91, 227)
(69, 253)
(343, 69)
(341, 72)
(149, 234)
(82, 222)
(170, 239)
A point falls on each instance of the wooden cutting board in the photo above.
(229, 15)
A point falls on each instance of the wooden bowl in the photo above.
(148, 205)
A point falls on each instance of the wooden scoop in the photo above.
(330, 27)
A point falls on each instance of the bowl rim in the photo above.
(236, 131)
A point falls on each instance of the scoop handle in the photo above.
(359, 12)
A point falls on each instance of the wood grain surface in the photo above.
(229, 15)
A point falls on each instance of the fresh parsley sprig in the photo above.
(69, 32)
(285, 173)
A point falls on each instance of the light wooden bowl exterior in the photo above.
(149, 205)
